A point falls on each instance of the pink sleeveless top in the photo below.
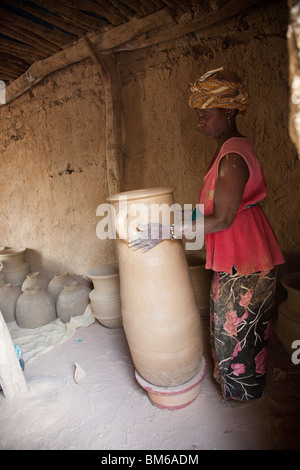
(249, 244)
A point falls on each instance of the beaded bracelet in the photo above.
(172, 232)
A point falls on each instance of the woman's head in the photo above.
(217, 97)
(218, 88)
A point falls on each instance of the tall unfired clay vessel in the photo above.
(159, 309)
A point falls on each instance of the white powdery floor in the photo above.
(107, 409)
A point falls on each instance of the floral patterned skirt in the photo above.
(240, 322)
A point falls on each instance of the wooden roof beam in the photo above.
(136, 6)
(95, 8)
(150, 38)
(51, 19)
(5, 56)
(123, 9)
(31, 39)
(54, 37)
(103, 42)
(76, 17)
(20, 50)
(113, 10)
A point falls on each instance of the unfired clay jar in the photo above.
(289, 312)
(105, 297)
(2, 279)
(13, 265)
(57, 283)
(34, 308)
(72, 301)
(35, 279)
(201, 280)
(159, 309)
(8, 298)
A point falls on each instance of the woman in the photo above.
(240, 245)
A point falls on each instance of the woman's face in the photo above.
(212, 122)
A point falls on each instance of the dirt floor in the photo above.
(107, 409)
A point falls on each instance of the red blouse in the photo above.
(249, 244)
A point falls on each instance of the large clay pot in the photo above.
(105, 297)
(34, 308)
(2, 279)
(57, 283)
(13, 265)
(201, 280)
(72, 301)
(159, 308)
(35, 279)
(8, 298)
(289, 312)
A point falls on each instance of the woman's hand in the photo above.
(151, 235)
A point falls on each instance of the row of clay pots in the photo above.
(39, 301)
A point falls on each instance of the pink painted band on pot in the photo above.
(174, 407)
(174, 398)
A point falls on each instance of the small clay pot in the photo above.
(13, 265)
(8, 298)
(57, 283)
(72, 301)
(35, 279)
(35, 307)
(106, 309)
(105, 298)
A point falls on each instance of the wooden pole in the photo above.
(107, 67)
(12, 379)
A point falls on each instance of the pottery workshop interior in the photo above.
(94, 101)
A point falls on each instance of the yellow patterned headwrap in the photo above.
(218, 89)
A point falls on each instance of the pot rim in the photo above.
(92, 275)
(141, 193)
(12, 251)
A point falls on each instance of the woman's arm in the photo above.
(232, 178)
